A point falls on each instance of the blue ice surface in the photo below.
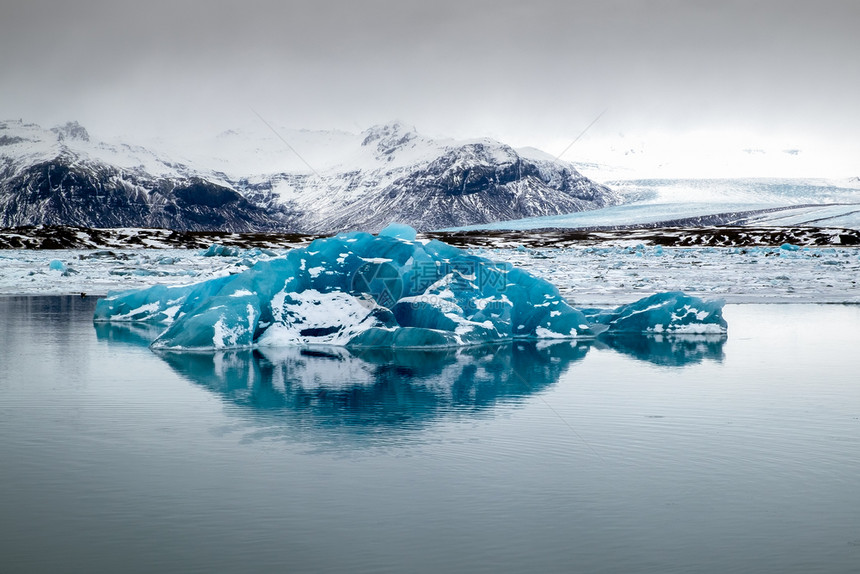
(390, 290)
(217, 250)
(670, 313)
(56, 265)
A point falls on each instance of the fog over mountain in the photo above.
(686, 86)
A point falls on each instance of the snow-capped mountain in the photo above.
(62, 177)
(290, 180)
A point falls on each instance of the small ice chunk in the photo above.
(57, 265)
(672, 312)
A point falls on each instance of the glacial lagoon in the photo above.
(630, 454)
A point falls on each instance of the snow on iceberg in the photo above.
(391, 290)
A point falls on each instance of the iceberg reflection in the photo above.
(379, 394)
(134, 334)
(390, 388)
(668, 350)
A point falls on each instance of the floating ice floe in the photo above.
(57, 265)
(217, 250)
(390, 290)
(664, 313)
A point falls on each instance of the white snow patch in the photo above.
(317, 318)
(544, 333)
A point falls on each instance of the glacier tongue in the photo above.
(389, 290)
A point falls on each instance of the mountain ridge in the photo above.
(63, 176)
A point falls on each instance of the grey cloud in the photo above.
(482, 66)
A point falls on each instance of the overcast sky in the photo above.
(671, 74)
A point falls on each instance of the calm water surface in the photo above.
(637, 455)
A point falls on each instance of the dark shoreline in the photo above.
(65, 237)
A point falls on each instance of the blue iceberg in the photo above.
(390, 290)
(672, 313)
